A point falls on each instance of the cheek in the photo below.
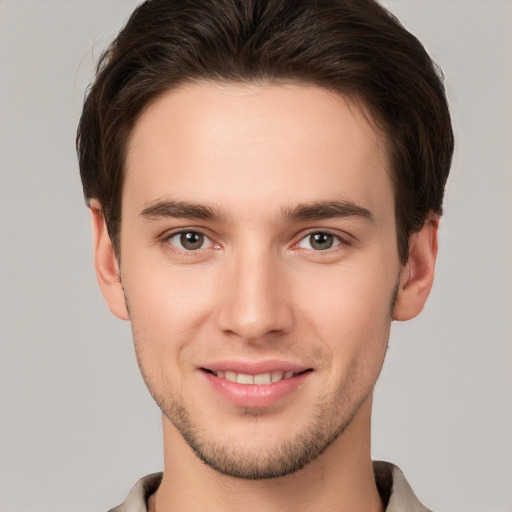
(167, 311)
(350, 313)
(167, 306)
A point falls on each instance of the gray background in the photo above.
(77, 427)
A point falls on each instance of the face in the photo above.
(259, 264)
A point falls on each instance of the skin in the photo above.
(257, 289)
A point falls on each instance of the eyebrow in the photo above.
(326, 210)
(182, 210)
(300, 212)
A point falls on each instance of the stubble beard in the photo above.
(332, 415)
(246, 462)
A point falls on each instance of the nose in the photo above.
(256, 302)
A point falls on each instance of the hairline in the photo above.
(351, 99)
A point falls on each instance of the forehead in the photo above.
(240, 144)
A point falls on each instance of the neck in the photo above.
(340, 479)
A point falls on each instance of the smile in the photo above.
(260, 378)
(257, 388)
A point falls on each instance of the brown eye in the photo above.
(191, 240)
(188, 240)
(319, 241)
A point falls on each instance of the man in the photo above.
(265, 180)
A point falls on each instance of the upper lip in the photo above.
(255, 367)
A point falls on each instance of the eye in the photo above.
(189, 241)
(319, 241)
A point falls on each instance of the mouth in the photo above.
(263, 379)
(256, 385)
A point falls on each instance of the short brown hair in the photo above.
(353, 47)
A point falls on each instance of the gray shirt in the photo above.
(393, 488)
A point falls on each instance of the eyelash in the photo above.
(338, 241)
(166, 239)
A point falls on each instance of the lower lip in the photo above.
(256, 395)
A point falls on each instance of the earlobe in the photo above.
(418, 274)
(106, 264)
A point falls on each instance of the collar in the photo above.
(393, 488)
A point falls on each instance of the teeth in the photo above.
(261, 378)
(277, 376)
(230, 376)
(243, 378)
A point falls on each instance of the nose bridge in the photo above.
(254, 301)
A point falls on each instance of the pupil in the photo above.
(191, 240)
(321, 241)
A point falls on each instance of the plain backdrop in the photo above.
(77, 426)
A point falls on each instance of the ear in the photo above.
(105, 262)
(418, 274)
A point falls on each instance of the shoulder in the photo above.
(395, 490)
(391, 482)
(137, 500)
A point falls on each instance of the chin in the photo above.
(260, 450)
